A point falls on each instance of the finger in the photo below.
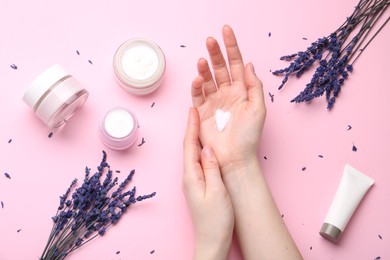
(221, 72)
(255, 87)
(211, 169)
(193, 177)
(234, 55)
(209, 86)
(197, 91)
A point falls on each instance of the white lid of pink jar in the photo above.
(118, 129)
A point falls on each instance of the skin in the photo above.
(223, 183)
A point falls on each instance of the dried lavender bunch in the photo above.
(335, 54)
(89, 211)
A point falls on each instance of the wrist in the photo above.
(211, 251)
(234, 169)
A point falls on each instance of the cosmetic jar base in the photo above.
(55, 96)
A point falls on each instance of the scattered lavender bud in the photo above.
(90, 62)
(152, 252)
(265, 158)
(13, 66)
(303, 168)
(78, 53)
(118, 252)
(269, 34)
(9, 141)
(182, 46)
(2, 206)
(321, 156)
(311, 248)
(142, 142)
(349, 128)
(18, 230)
(117, 171)
(354, 148)
(377, 258)
(282, 215)
(304, 38)
(50, 134)
(152, 105)
(380, 237)
(6, 174)
(271, 96)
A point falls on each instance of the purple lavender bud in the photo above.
(6, 174)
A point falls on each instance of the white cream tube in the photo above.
(351, 190)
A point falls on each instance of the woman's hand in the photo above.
(206, 195)
(239, 92)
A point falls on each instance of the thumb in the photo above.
(211, 169)
(254, 86)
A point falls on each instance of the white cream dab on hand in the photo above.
(222, 119)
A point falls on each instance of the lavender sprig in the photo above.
(335, 55)
(89, 211)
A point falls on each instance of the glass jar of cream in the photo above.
(119, 129)
(139, 66)
(54, 96)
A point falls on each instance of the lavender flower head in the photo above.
(89, 211)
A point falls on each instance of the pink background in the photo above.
(38, 34)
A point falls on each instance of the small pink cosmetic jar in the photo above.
(119, 128)
(139, 66)
(54, 96)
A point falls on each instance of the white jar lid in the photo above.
(139, 66)
(36, 91)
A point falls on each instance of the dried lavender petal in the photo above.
(304, 38)
(349, 127)
(6, 174)
(311, 248)
(18, 230)
(271, 96)
(265, 158)
(2, 204)
(142, 142)
(377, 258)
(90, 62)
(269, 34)
(118, 252)
(354, 148)
(50, 134)
(10, 140)
(13, 66)
(321, 156)
(380, 237)
(78, 53)
(303, 168)
(152, 105)
(152, 252)
(182, 46)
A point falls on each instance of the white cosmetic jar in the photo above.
(54, 96)
(118, 129)
(139, 66)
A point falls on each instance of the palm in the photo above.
(237, 138)
(239, 92)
